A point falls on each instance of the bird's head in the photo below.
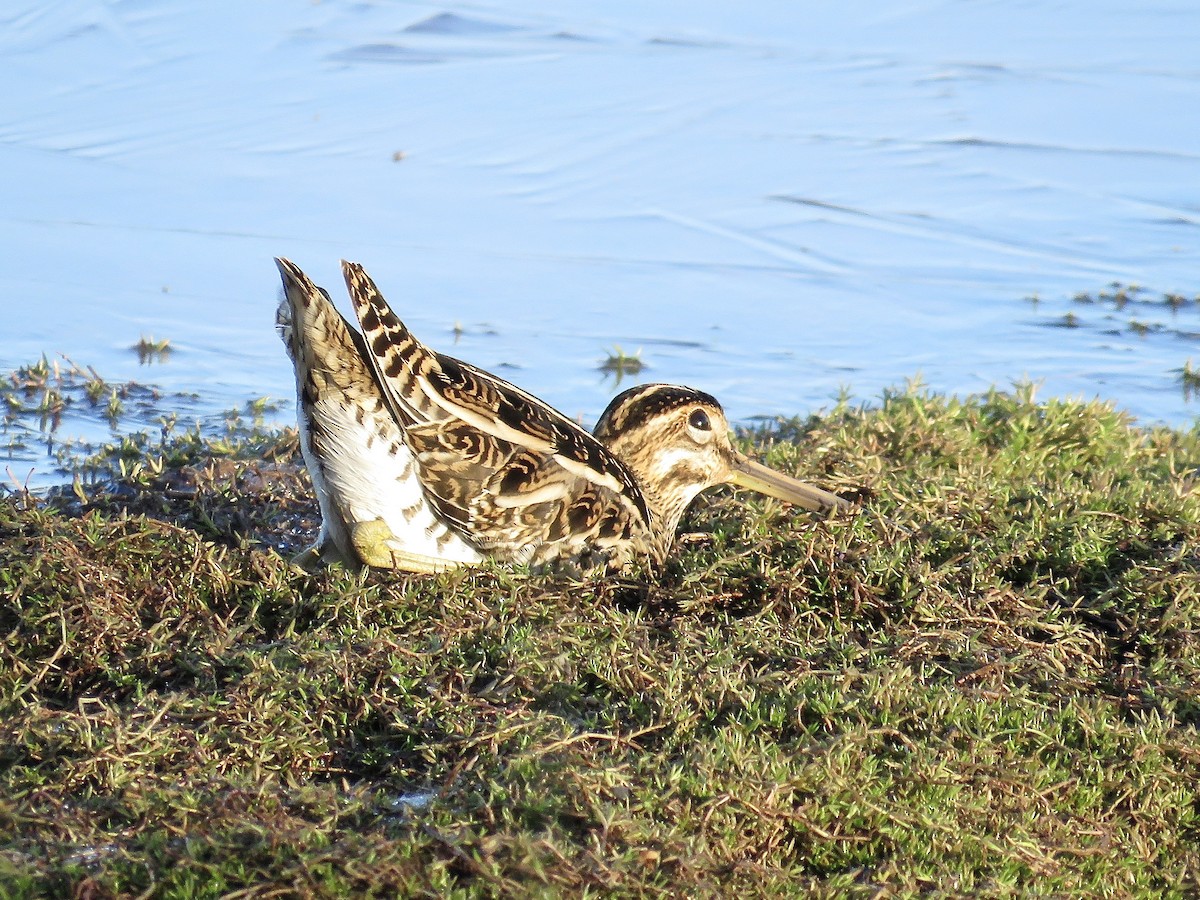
(676, 441)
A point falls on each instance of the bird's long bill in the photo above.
(757, 477)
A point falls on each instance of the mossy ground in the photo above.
(987, 685)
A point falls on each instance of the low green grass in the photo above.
(987, 684)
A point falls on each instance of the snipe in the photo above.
(423, 462)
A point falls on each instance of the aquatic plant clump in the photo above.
(1123, 310)
(62, 422)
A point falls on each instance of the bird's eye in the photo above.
(699, 420)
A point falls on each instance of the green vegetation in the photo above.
(1189, 378)
(1116, 298)
(41, 401)
(149, 350)
(620, 364)
(1170, 316)
(989, 684)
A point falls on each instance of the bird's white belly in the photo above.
(369, 474)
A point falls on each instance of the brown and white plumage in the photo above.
(362, 471)
(504, 474)
(515, 477)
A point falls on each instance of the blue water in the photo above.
(772, 201)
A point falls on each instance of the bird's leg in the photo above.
(309, 559)
(377, 545)
(323, 551)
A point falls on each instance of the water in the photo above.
(773, 201)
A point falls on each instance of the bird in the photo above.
(422, 462)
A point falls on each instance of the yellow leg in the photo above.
(323, 552)
(377, 546)
(308, 560)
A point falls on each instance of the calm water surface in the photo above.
(772, 202)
